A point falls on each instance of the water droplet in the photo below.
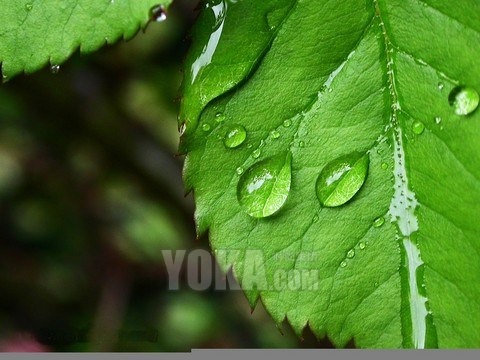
(341, 179)
(28, 7)
(378, 222)
(256, 153)
(418, 127)
(219, 117)
(375, 284)
(384, 166)
(275, 134)
(351, 254)
(206, 127)
(440, 86)
(437, 120)
(301, 144)
(287, 123)
(315, 218)
(182, 129)
(343, 264)
(464, 100)
(362, 245)
(235, 136)
(54, 69)
(263, 189)
(158, 13)
(239, 170)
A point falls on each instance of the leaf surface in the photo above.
(398, 264)
(34, 33)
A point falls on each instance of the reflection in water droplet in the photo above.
(341, 179)
(343, 264)
(206, 127)
(275, 134)
(54, 69)
(235, 136)
(378, 222)
(263, 189)
(464, 100)
(219, 117)
(287, 123)
(351, 254)
(418, 127)
(158, 13)
(362, 245)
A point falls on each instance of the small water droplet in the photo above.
(263, 189)
(301, 144)
(219, 117)
(343, 264)
(418, 127)
(375, 284)
(206, 127)
(384, 166)
(28, 7)
(239, 170)
(330, 90)
(287, 123)
(158, 13)
(351, 254)
(362, 245)
(256, 153)
(437, 120)
(54, 69)
(182, 129)
(341, 179)
(275, 134)
(235, 136)
(378, 222)
(440, 86)
(464, 100)
(315, 218)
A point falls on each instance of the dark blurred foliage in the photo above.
(90, 193)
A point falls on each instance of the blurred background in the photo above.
(91, 192)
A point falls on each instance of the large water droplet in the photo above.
(341, 179)
(263, 189)
(464, 100)
(418, 127)
(235, 136)
(158, 13)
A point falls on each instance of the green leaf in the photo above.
(34, 33)
(329, 78)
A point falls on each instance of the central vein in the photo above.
(404, 203)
